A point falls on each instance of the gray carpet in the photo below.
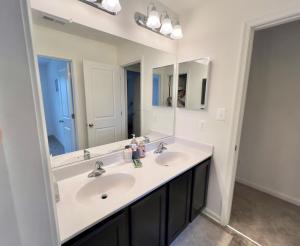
(264, 218)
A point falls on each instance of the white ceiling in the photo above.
(181, 6)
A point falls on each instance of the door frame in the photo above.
(123, 73)
(73, 92)
(246, 49)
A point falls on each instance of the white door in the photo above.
(103, 103)
(66, 106)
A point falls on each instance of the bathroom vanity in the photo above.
(98, 91)
(151, 205)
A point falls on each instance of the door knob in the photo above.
(91, 125)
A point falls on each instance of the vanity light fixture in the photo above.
(177, 32)
(153, 20)
(112, 7)
(166, 27)
(158, 23)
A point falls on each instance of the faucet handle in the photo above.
(146, 139)
(99, 164)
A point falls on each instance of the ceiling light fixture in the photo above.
(153, 22)
(112, 7)
(166, 26)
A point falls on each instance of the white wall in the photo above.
(269, 153)
(30, 218)
(59, 44)
(9, 232)
(158, 119)
(215, 30)
(122, 25)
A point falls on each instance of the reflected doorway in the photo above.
(133, 99)
(56, 84)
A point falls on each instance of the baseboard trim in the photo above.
(271, 192)
(212, 215)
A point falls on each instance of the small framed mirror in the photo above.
(162, 86)
(193, 80)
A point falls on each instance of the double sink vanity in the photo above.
(150, 205)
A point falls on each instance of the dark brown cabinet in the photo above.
(113, 232)
(199, 188)
(179, 200)
(148, 220)
(156, 219)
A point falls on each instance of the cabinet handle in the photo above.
(91, 125)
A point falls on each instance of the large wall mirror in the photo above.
(193, 81)
(97, 88)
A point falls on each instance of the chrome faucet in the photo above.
(98, 171)
(86, 154)
(146, 140)
(161, 147)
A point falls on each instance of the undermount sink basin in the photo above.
(106, 187)
(169, 158)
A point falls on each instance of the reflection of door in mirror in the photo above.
(133, 85)
(103, 103)
(181, 95)
(162, 86)
(192, 84)
(56, 87)
(156, 90)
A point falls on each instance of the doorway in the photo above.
(56, 84)
(133, 99)
(266, 200)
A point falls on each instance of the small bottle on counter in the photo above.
(142, 149)
(127, 153)
(135, 152)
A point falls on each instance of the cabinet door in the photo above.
(148, 220)
(113, 232)
(199, 190)
(179, 200)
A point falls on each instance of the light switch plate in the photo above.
(202, 124)
(221, 114)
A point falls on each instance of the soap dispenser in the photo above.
(133, 140)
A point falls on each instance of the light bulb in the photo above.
(177, 32)
(111, 5)
(153, 20)
(166, 27)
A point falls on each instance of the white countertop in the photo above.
(75, 214)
